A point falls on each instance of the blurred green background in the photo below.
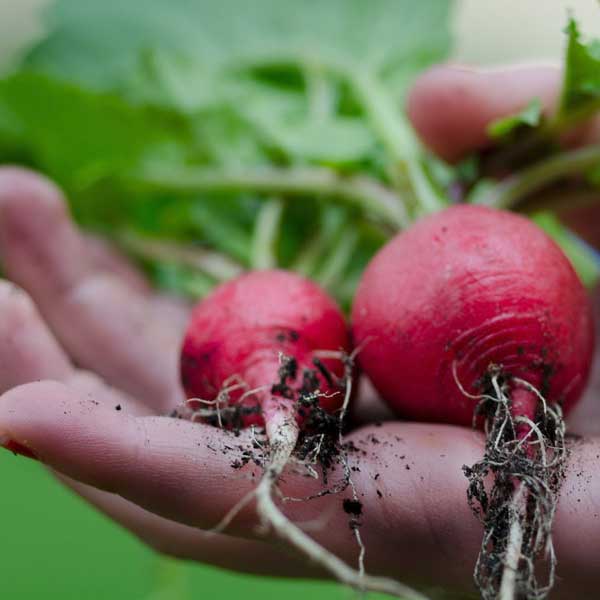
(57, 547)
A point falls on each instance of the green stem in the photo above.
(333, 220)
(219, 230)
(398, 138)
(510, 192)
(388, 122)
(581, 256)
(338, 259)
(209, 262)
(266, 233)
(560, 200)
(319, 91)
(360, 191)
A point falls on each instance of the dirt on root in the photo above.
(537, 467)
(319, 443)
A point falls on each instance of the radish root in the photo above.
(283, 436)
(513, 548)
(527, 458)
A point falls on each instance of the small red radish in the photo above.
(275, 343)
(242, 328)
(477, 311)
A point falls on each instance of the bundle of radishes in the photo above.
(471, 316)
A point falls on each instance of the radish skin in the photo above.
(475, 315)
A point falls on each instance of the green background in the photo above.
(54, 545)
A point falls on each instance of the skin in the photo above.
(159, 478)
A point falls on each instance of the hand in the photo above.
(167, 479)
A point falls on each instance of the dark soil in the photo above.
(352, 507)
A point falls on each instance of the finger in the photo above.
(103, 323)
(29, 352)
(410, 481)
(188, 543)
(451, 107)
(105, 258)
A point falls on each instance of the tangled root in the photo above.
(518, 511)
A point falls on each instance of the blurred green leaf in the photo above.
(118, 88)
(258, 58)
(529, 117)
(581, 82)
(78, 136)
(333, 142)
(383, 35)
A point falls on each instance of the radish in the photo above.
(474, 315)
(270, 349)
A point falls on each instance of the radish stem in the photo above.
(362, 192)
(510, 192)
(333, 220)
(397, 136)
(212, 263)
(330, 274)
(266, 232)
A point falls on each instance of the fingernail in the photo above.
(17, 448)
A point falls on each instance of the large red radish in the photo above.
(476, 314)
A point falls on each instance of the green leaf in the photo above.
(530, 116)
(169, 79)
(180, 280)
(259, 58)
(79, 137)
(227, 137)
(10, 124)
(334, 142)
(224, 87)
(581, 82)
(382, 35)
